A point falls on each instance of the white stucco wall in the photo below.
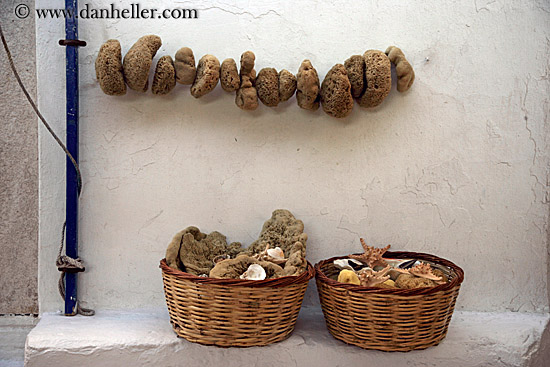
(457, 167)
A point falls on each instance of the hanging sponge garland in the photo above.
(138, 60)
(108, 69)
(307, 89)
(365, 78)
(165, 76)
(267, 85)
(336, 97)
(229, 76)
(403, 69)
(185, 66)
(378, 78)
(287, 85)
(247, 96)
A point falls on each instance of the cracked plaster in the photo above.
(458, 166)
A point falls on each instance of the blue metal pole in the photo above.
(72, 190)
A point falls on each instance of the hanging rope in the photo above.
(52, 133)
(64, 263)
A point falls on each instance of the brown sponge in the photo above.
(355, 67)
(185, 66)
(208, 74)
(137, 62)
(267, 85)
(229, 78)
(164, 79)
(287, 85)
(108, 69)
(403, 69)
(246, 97)
(378, 77)
(194, 252)
(336, 97)
(233, 268)
(409, 281)
(307, 89)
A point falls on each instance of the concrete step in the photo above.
(13, 332)
(146, 338)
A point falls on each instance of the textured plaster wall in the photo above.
(18, 168)
(456, 167)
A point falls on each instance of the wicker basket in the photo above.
(388, 319)
(233, 312)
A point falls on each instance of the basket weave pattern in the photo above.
(233, 312)
(388, 319)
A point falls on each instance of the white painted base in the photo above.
(13, 332)
(115, 338)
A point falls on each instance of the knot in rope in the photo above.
(67, 264)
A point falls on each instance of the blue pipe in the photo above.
(72, 190)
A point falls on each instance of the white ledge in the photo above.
(145, 338)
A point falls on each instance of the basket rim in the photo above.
(455, 282)
(284, 281)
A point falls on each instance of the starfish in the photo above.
(370, 278)
(424, 270)
(372, 256)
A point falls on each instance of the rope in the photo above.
(52, 133)
(63, 262)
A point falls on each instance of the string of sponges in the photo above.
(365, 78)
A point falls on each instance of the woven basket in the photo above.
(388, 319)
(233, 312)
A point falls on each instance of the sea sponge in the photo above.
(137, 62)
(296, 263)
(108, 69)
(196, 250)
(164, 79)
(403, 69)
(307, 87)
(229, 76)
(348, 276)
(173, 250)
(387, 284)
(285, 231)
(208, 74)
(409, 281)
(233, 268)
(287, 85)
(336, 97)
(247, 62)
(185, 66)
(281, 230)
(246, 97)
(378, 78)
(267, 87)
(355, 66)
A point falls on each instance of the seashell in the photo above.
(276, 253)
(350, 264)
(401, 263)
(254, 272)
